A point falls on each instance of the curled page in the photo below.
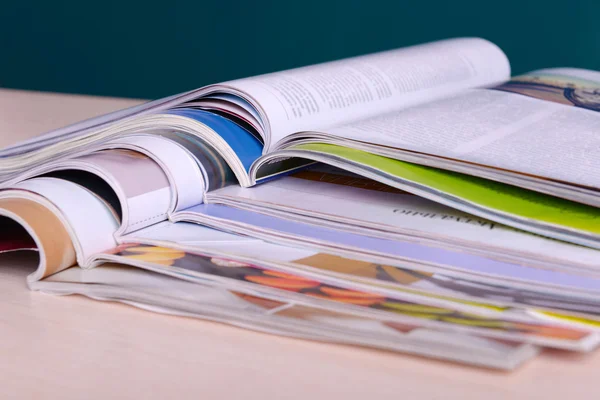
(89, 220)
(52, 240)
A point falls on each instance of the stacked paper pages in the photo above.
(417, 200)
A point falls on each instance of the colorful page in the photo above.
(336, 198)
(246, 146)
(313, 292)
(523, 209)
(431, 288)
(160, 293)
(90, 221)
(38, 228)
(426, 257)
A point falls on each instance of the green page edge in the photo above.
(490, 194)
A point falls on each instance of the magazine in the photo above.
(447, 104)
(416, 200)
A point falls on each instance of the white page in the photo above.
(143, 189)
(328, 94)
(141, 184)
(187, 177)
(90, 220)
(498, 129)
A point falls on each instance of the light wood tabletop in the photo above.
(72, 347)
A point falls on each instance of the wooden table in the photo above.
(73, 348)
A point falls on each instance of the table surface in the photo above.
(72, 347)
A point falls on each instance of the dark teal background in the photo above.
(152, 49)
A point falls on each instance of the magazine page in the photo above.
(90, 221)
(258, 278)
(357, 272)
(324, 95)
(187, 175)
(404, 253)
(509, 205)
(143, 189)
(238, 146)
(46, 231)
(135, 185)
(338, 199)
(146, 188)
(218, 172)
(191, 235)
(540, 125)
(277, 315)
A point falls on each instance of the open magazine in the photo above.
(417, 200)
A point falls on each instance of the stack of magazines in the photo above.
(418, 200)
